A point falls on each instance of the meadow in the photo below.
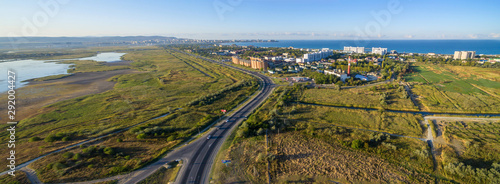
(458, 89)
(165, 84)
(363, 97)
(163, 175)
(470, 152)
(316, 144)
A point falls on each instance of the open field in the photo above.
(364, 97)
(20, 178)
(395, 123)
(163, 175)
(456, 88)
(314, 159)
(164, 84)
(468, 150)
(32, 98)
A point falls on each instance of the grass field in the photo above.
(165, 84)
(470, 152)
(20, 178)
(456, 88)
(396, 123)
(163, 175)
(314, 147)
(365, 97)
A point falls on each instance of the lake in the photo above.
(32, 69)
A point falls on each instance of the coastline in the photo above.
(487, 47)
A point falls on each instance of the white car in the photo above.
(209, 136)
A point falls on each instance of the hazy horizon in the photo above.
(254, 19)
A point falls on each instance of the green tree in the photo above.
(357, 144)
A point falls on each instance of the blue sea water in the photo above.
(408, 46)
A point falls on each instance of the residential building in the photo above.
(316, 56)
(258, 63)
(360, 50)
(378, 50)
(464, 55)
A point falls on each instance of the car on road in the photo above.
(209, 136)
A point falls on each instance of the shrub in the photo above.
(357, 144)
(34, 139)
(65, 139)
(58, 166)
(109, 151)
(77, 156)
(50, 138)
(141, 136)
(68, 155)
(171, 138)
(117, 169)
(119, 140)
(89, 149)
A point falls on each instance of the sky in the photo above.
(254, 19)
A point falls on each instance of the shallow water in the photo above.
(31, 69)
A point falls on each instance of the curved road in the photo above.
(198, 156)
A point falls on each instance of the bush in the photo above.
(58, 166)
(68, 155)
(141, 136)
(77, 156)
(117, 169)
(119, 140)
(34, 139)
(357, 144)
(109, 151)
(50, 138)
(65, 139)
(89, 149)
(171, 138)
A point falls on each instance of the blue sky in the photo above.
(254, 19)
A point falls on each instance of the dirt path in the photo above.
(31, 175)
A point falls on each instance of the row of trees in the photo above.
(210, 98)
(450, 61)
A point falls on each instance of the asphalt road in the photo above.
(198, 156)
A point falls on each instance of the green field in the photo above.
(471, 153)
(447, 89)
(168, 81)
(314, 144)
(364, 97)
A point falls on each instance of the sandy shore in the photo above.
(31, 98)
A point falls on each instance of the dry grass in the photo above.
(20, 178)
(302, 155)
(359, 97)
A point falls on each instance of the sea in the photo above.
(488, 47)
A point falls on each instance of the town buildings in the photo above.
(360, 50)
(464, 54)
(255, 63)
(378, 50)
(315, 56)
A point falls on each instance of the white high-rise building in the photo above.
(464, 55)
(360, 50)
(378, 50)
(316, 56)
